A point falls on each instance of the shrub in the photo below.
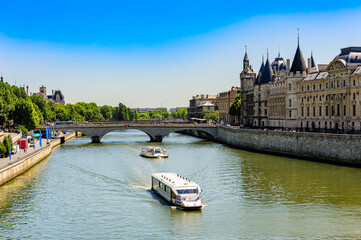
(23, 129)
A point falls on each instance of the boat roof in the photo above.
(152, 147)
(175, 180)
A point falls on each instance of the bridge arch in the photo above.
(156, 133)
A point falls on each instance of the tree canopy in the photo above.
(235, 107)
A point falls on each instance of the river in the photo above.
(102, 191)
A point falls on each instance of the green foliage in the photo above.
(61, 112)
(159, 114)
(2, 149)
(26, 113)
(180, 113)
(235, 108)
(107, 112)
(143, 116)
(211, 116)
(122, 113)
(7, 102)
(23, 129)
(19, 92)
(6, 144)
(45, 109)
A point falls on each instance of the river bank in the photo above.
(23, 163)
(332, 148)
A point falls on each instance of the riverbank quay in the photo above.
(25, 160)
(344, 149)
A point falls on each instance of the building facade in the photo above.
(329, 100)
(196, 105)
(224, 100)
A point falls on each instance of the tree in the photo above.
(107, 112)
(143, 116)
(211, 116)
(6, 144)
(180, 113)
(61, 112)
(7, 102)
(44, 108)
(26, 114)
(235, 108)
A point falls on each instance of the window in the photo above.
(187, 191)
(332, 111)
(320, 86)
(326, 98)
(302, 86)
(265, 112)
(338, 109)
(314, 111)
(344, 110)
(302, 99)
(290, 102)
(302, 111)
(314, 87)
(308, 87)
(314, 98)
(308, 111)
(325, 125)
(354, 96)
(320, 98)
(320, 111)
(326, 85)
(354, 82)
(353, 110)
(326, 113)
(290, 114)
(344, 83)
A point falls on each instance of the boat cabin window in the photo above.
(158, 151)
(187, 191)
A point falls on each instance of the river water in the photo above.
(102, 191)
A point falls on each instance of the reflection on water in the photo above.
(103, 191)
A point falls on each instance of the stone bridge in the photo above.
(156, 132)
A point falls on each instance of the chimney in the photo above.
(52, 92)
(288, 64)
(309, 64)
(27, 90)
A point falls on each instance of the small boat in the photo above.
(154, 152)
(177, 190)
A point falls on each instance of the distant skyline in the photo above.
(155, 53)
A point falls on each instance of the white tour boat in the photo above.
(177, 190)
(154, 152)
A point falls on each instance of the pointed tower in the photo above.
(267, 75)
(245, 61)
(298, 64)
(313, 65)
(257, 80)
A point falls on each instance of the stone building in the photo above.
(199, 103)
(224, 100)
(277, 92)
(55, 97)
(247, 78)
(329, 100)
(261, 93)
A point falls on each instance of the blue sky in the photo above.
(153, 53)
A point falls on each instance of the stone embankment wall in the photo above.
(334, 148)
(27, 162)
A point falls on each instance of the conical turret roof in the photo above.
(298, 64)
(313, 65)
(259, 77)
(267, 75)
